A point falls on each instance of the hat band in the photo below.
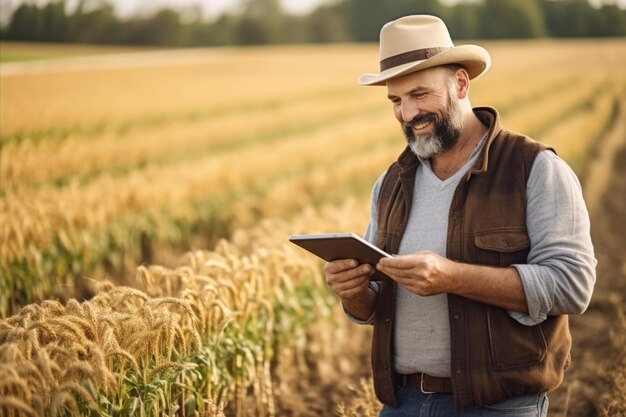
(411, 56)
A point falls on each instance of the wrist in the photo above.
(454, 273)
(362, 305)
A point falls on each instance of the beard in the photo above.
(446, 131)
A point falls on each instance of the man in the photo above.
(492, 244)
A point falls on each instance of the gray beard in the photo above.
(425, 146)
(446, 132)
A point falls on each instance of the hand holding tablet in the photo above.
(334, 246)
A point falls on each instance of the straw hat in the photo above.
(413, 43)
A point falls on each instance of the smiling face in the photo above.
(427, 107)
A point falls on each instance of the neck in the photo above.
(448, 163)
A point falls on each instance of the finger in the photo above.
(347, 275)
(351, 288)
(353, 292)
(400, 275)
(356, 282)
(340, 265)
(398, 262)
(395, 272)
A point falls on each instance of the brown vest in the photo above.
(493, 356)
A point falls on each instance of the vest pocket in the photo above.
(502, 247)
(511, 343)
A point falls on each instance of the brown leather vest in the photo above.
(493, 356)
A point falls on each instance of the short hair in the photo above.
(453, 68)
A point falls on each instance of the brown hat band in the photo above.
(411, 56)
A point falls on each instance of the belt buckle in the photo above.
(422, 385)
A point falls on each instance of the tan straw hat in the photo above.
(413, 43)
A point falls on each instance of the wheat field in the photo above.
(146, 198)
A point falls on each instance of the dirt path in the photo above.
(587, 388)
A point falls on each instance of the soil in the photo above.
(587, 388)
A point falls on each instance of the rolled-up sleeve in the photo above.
(560, 273)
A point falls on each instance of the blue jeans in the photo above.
(413, 403)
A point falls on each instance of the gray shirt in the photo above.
(558, 278)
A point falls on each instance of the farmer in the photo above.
(492, 244)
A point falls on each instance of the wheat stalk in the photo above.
(16, 407)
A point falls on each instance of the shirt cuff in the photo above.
(524, 318)
(534, 291)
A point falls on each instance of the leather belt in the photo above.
(429, 384)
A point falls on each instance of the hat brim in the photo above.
(475, 59)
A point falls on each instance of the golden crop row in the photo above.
(92, 206)
(56, 101)
(87, 183)
(217, 116)
(196, 338)
(27, 162)
(47, 209)
(590, 121)
(83, 220)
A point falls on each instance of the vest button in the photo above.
(458, 372)
(456, 317)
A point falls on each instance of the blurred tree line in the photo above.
(263, 22)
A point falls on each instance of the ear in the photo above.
(462, 83)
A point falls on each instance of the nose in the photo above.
(408, 112)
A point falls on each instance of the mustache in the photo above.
(420, 118)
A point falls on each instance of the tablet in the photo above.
(334, 246)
